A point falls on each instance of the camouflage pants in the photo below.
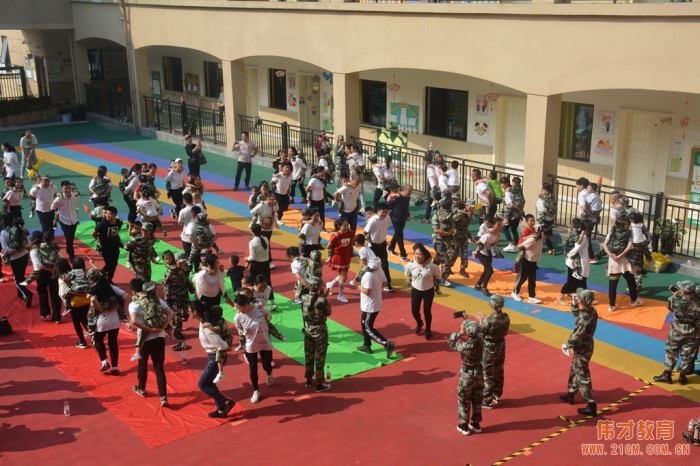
(461, 246)
(445, 255)
(580, 375)
(636, 259)
(684, 343)
(493, 360)
(179, 309)
(315, 347)
(142, 270)
(470, 390)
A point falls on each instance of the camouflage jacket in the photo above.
(151, 311)
(618, 240)
(571, 240)
(314, 318)
(443, 220)
(141, 248)
(584, 329)
(470, 350)
(204, 237)
(686, 312)
(177, 285)
(494, 329)
(461, 222)
(550, 208)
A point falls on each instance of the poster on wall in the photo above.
(481, 129)
(404, 117)
(191, 83)
(155, 84)
(292, 99)
(604, 147)
(694, 187)
(606, 122)
(481, 108)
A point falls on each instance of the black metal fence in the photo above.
(13, 83)
(271, 136)
(654, 207)
(179, 117)
(109, 102)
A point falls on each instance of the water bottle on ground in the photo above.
(328, 373)
(183, 357)
(66, 408)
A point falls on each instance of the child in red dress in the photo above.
(339, 256)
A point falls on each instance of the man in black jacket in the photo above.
(399, 203)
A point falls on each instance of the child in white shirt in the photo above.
(365, 255)
(487, 228)
(453, 177)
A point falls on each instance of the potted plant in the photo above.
(670, 232)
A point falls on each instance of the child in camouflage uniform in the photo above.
(299, 266)
(48, 255)
(142, 252)
(177, 287)
(575, 237)
(315, 265)
(641, 238)
(151, 313)
(77, 282)
(101, 185)
(315, 310)
(471, 377)
(217, 324)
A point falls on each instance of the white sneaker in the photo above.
(219, 377)
(135, 357)
(270, 380)
(256, 397)
(516, 296)
(24, 283)
(510, 248)
(342, 298)
(362, 210)
(352, 283)
(636, 303)
(329, 285)
(272, 307)
(534, 300)
(272, 266)
(280, 222)
(446, 283)
(156, 259)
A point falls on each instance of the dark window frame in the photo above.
(453, 122)
(173, 79)
(213, 79)
(277, 89)
(576, 131)
(373, 103)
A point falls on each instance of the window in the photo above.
(214, 79)
(576, 131)
(172, 74)
(373, 102)
(95, 64)
(447, 113)
(278, 89)
(5, 53)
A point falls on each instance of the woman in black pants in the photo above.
(422, 274)
(483, 253)
(580, 249)
(46, 280)
(259, 254)
(105, 298)
(18, 258)
(617, 245)
(209, 283)
(78, 303)
(129, 192)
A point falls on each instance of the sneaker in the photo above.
(510, 248)
(342, 298)
(534, 300)
(364, 349)
(329, 286)
(163, 401)
(179, 347)
(256, 397)
(114, 371)
(219, 251)
(516, 296)
(297, 301)
(577, 276)
(476, 427)
(486, 292)
(235, 188)
(272, 307)
(269, 380)
(404, 258)
(304, 200)
(173, 214)
(219, 377)
(612, 308)
(156, 259)
(24, 283)
(393, 253)
(291, 200)
(323, 387)
(308, 383)
(280, 222)
(389, 289)
(390, 345)
(228, 406)
(489, 405)
(362, 210)
(497, 400)
(217, 413)
(138, 391)
(446, 283)
(477, 287)
(464, 428)
(272, 266)
(135, 357)
(636, 303)
(105, 367)
(81, 345)
(31, 214)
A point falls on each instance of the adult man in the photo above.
(400, 213)
(443, 241)
(433, 190)
(202, 235)
(282, 181)
(322, 145)
(546, 211)
(494, 329)
(107, 231)
(28, 144)
(177, 287)
(347, 196)
(470, 386)
(532, 253)
(462, 215)
(183, 219)
(370, 304)
(315, 309)
(485, 195)
(246, 151)
(194, 155)
(142, 253)
(375, 230)
(341, 163)
(175, 182)
(44, 194)
(581, 342)
(145, 301)
(682, 338)
(66, 204)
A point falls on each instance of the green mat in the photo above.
(343, 358)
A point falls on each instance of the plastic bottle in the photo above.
(328, 372)
(66, 408)
(183, 357)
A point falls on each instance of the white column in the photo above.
(542, 122)
(234, 98)
(139, 83)
(346, 105)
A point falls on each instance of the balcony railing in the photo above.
(178, 117)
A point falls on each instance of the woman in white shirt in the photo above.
(211, 342)
(423, 275)
(12, 168)
(252, 320)
(581, 249)
(315, 192)
(310, 234)
(265, 215)
(259, 254)
(298, 174)
(104, 297)
(209, 283)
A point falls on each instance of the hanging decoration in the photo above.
(393, 88)
(685, 121)
(280, 73)
(491, 97)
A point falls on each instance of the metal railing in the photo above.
(271, 136)
(179, 117)
(654, 207)
(109, 102)
(13, 83)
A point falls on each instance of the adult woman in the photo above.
(298, 174)
(581, 249)
(310, 233)
(47, 279)
(252, 321)
(211, 342)
(483, 253)
(15, 249)
(104, 297)
(130, 191)
(76, 300)
(11, 162)
(259, 254)
(209, 283)
(422, 274)
(617, 244)
(265, 215)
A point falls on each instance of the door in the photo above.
(645, 158)
(513, 132)
(309, 101)
(41, 76)
(252, 95)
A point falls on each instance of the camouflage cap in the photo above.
(497, 302)
(93, 274)
(314, 283)
(148, 287)
(181, 257)
(587, 296)
(686, 286)
(147, 226)
(201, 217)
(471, 328)
(624, 200)
(315, 256)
